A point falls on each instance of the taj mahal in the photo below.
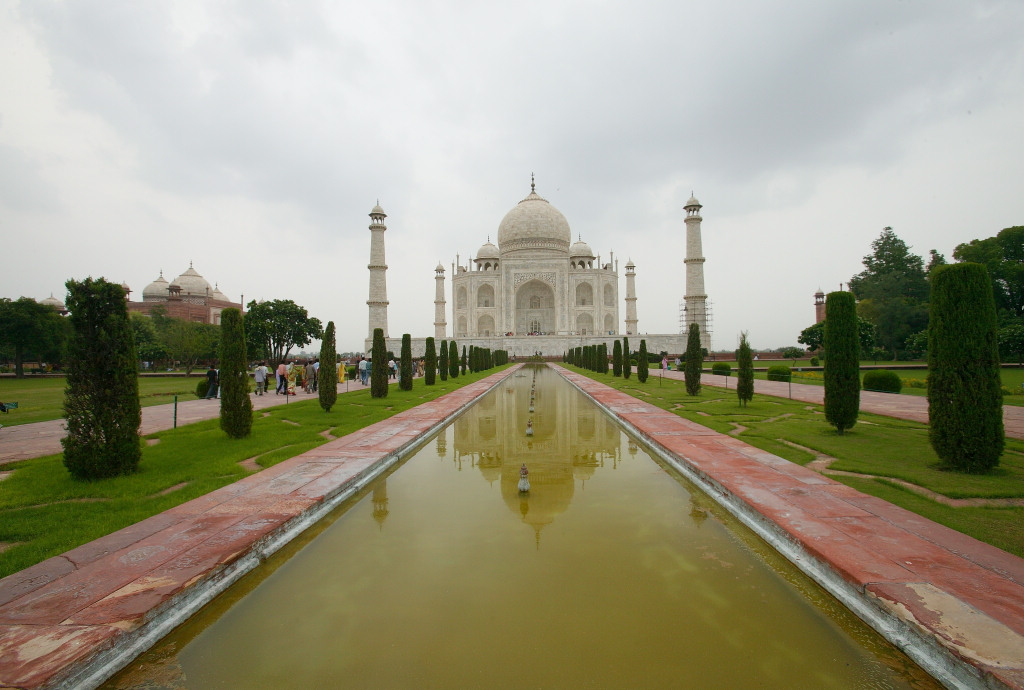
(537, 291)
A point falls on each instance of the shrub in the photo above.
(327, 376)
(964, 392)
(235, 403)
(882, 381)
(101, 403)
(721, 368)
(694, 361)
(842, 367)
(815, 362)
(745, 373)
(201, 386)
(642, 363)
(779, 372)
(378, 366)
(430, 364)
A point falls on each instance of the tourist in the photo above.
(282, 378)
(260, 375)
(394, 368)
(294, 376)
(364, 370)
(211, 383)
(316, 374)
(310, 375)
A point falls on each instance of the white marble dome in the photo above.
(581, 250)
(192, 283)
(157, 289)
(488, 251)
(52, 301)
(534, 224)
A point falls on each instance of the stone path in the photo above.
(26, 441)
(74, 619)
(954, 604)
(912, 407)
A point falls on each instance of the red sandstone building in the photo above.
(189, 297)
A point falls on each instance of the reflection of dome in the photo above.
(52, 301)
(156, 289)
(534, 224)
(192, 283)
(581, 250)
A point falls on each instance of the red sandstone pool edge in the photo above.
(50, 640)
(944, 633)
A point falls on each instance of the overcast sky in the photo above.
(253, 138)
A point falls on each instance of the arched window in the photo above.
(485, 296)
(584, 295)
(609, 296)
(460, 298)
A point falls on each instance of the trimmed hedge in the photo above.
(882, 381)
(778, 372)
(201, 386)
(721, 368)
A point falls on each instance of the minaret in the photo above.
(378, 302)
(439, 322)
(819, 306)
(631, 298)
(696, 299)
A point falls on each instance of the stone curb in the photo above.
(953, 604)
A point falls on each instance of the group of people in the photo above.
(365, 366)
(290, 375)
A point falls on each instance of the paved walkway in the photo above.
(912, 407)
(25, 441)
(954, 604)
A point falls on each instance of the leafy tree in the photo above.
(793, 353)
(935, 259)
(26, 326)
(642, 365)
(842, 366)
(892, 291)
(235, 404)
(813, 337)
(1003, 255)
(916, 344)
(694, 361)
(275, 327)
(148, 344)
(101, 405)
(188, 342)
(627, 366)
(430, 363)
(453, 359)
(442, 361)
(405, 364)
(327, 376)
(1011, 342)
(965, 400)
(378, 366)
(617, 358)
(744, 371)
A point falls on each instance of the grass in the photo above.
(42, 399)
(884, 448)
(43, 512)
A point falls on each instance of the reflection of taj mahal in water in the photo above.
(572, 440)
(537, 290)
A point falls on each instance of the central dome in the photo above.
(534, 224)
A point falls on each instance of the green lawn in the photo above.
(43, 512)
(41, 399)
(882, 447)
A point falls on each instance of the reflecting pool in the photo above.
(611, 572)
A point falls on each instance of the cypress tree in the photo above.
(378, 366)
(603, 358)
(745, 371)
(617, 358)
(235, 404)
(842, 366)
(429, 363)
(627, 366)
(642, 365)
(101, 403)
(453, 359)
(694, 361)
(405, 367)
(463, 360)
(965, 397)
(442, 361)
(327, 377)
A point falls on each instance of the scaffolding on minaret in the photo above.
(704, 320)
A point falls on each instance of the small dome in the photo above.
(534, 224)
(192, 283)
(377, 211)
(488, 251)
(630, 264)
(217, 294)
(692, 202)
(582, 250)
(52, 301)
(157, 289)
(440, 268)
